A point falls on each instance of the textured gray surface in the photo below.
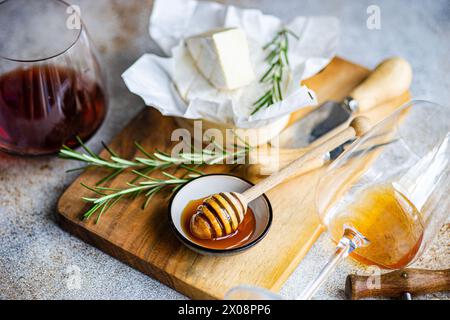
(37, 257)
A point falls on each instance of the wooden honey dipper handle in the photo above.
(357, 128)
(395, 284)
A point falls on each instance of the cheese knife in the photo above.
(268, 161)
(388, 80)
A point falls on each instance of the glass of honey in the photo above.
(385, 198)
(51, 86)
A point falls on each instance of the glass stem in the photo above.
(350, 241)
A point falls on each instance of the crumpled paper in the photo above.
(175, 87)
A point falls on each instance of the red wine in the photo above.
(46, 106)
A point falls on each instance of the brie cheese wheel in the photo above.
(223, 57)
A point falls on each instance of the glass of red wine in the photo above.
(51, 85)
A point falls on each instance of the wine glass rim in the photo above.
(53, 56)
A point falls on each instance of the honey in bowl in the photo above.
(239, 238)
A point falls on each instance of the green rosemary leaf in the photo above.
(262, 98)
(257, 109)
(91, 211)
(86, 199)
(280, 96)
(122, 192)
(150, 196)
(162, 152)
(168, 175)
(93, 189)
(71, 154)
(77, 169)
(286, 59)
(266, 101)
(164, 157)
(109, 177)
(192, 170)
(147, 202)
(113, 203)
(217, 145)
(145, 171)
(142, 149)
(104, 207)
(149, 162)
(86, 148)
(124, 161)
(190, 158)
(277, 59)
(271, 56)
(268, 73)
(142, 175)
(107, 189)
(269, 44)
(293, 34)
(111, 152)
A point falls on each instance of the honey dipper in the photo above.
(221, 214)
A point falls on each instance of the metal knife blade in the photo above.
(333, 155)
(325, 118)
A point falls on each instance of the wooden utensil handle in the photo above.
(396, 283)
(266, 155)
(390, 79)
(357, 128)
(265, 161)
(266, 168)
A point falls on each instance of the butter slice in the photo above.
(223, 57)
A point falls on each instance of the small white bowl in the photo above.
(205, 186)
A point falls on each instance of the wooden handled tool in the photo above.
(397, 283)
(221, 214)
(390, 79)
(266, 161)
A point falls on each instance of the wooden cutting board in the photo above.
(143, 239)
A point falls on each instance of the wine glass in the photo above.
(51, 86)
(386, 197)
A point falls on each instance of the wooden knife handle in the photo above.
(357, 128)
(394, 284)
(390, 79)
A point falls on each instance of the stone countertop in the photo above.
(37, 258)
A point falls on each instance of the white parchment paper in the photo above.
(174, 86)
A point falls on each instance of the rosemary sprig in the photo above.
(108, 197)
(278, 60)
(141, 167)
(151, 162)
